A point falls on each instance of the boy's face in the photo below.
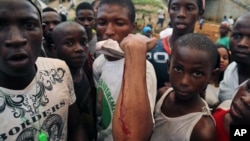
(240, 41)
(85, 17)
(20, 37)
(72, 45)
(50, 20)
(113, 22)
(240, 107)
(190, 71)
(183, 15)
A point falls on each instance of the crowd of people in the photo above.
(94, 79)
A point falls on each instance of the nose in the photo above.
(110, 31)
(51, 26)
(86, 23)
(244, 42)
(184, 82)
(80, 48)
(15, 37)
(246, 100)
(182, 13)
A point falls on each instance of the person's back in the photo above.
(181, 113)
(183, 21)
(239, 70)
(37, 95)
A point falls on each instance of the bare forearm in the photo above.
(132, 118)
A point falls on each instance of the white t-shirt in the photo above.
(108, 79)
(41, 106)
(229, 83)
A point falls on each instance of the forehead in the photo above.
(113, 10)
(69, 29)
(242, 24)
(17, 9)
(51, 16)
(191, 56)
(85, 12)
(194, 2)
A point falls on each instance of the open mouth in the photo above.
(18, 57)
(236, 111)
(181, 26)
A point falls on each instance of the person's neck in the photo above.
(77, 74)
(188, 102)
(173, 38)
(223, 35)
(16, 82)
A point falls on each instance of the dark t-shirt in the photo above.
(85, 100)
(158, 56)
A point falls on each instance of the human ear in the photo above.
(53, 50)
(168, 65)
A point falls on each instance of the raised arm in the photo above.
(132, 117)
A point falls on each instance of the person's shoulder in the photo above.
(100, 59)
(205, 129)
(45, 61)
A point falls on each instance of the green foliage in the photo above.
(155, 3)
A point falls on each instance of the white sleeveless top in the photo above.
(175, 128)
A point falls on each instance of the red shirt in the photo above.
(221, 133)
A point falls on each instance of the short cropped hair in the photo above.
(84, 5)
(198, 42)
(49, 9)
(198, 2)
(37, 6)
(124, 3)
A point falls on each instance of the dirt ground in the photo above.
(209, 29)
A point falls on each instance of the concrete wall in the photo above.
(217, 9)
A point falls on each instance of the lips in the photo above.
(181, 25)
(183, 93)
(18, 56)
(236, 111)
(241, 54)
(18, 59)
(79, 59)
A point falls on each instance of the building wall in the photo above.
(216, 9)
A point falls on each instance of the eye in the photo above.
(69, 43)
(101, 23)
(197, 74)
(225, 57)
(174, 7)
(190, 8)
(84, 42)
(177, 69)
(30, 25)
(120, 23)
(236, 36)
